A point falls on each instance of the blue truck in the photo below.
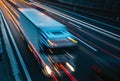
(50, 41)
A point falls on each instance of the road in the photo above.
(95, 48)
(5, 69)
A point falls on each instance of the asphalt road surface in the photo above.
(106, 56)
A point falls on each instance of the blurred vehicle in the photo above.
(49, 40)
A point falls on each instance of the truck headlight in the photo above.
(51, 43)
(70, 66)
(49, 71)
(73, 40)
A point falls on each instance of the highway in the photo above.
(98, 56)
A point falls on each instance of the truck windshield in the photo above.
(58, 50)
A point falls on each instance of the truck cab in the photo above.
(57, 37)
(58, 46)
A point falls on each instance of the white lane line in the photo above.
(83, 41)
(101, 32)
(13, 62)
(90, 26)
(82, 22)
(87, 44)
(78, 21)
(91, 47)
(87, 18)
(18, 53)
(75, 25)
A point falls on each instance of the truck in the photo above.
(50, 41)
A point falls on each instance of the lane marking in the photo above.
(94, 49)
(75, 25)
(12, 59)
(18, 53)
(97, 29)
(87, 18)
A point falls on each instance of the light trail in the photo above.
(85, 24)
(68, 73)
(103, 50)
(36, 52)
